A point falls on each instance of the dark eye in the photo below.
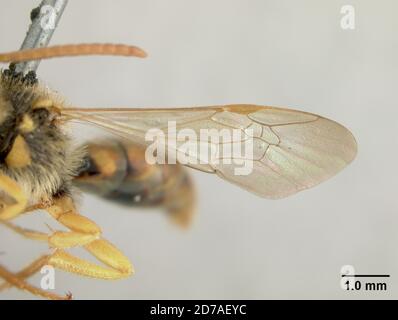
(41, 115)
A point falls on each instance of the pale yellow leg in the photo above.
(27, 233)
(12, 204)
(20, 283)
(119, 266)
(84, 232)
(36, 265)
(18, 279)
(28, 271)
(12, 199)
(101, 249)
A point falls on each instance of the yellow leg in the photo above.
(119, 266)
(12, 204)
(20, 283)
(27, 233)
(36, 265)
(12, 199)
(28, 271)
(85, 233)
(38, 206)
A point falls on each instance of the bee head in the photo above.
(20, 124)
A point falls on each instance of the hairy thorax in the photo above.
(34, 150)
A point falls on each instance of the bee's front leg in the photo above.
(12, 204)
(12, 199)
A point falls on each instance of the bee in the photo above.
(39, 163)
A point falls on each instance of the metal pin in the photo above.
(45, 19)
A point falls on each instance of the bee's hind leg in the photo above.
(84, 233)
(87, 234)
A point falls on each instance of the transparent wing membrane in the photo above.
(290, 150)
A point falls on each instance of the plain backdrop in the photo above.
(271, 52)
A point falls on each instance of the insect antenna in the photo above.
(73, 50)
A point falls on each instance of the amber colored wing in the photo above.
(292, 150)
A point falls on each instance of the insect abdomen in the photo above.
(119, 172)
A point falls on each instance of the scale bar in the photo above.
(366, 275)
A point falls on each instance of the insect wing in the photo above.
(290, 150)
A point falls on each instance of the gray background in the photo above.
(287, 53)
